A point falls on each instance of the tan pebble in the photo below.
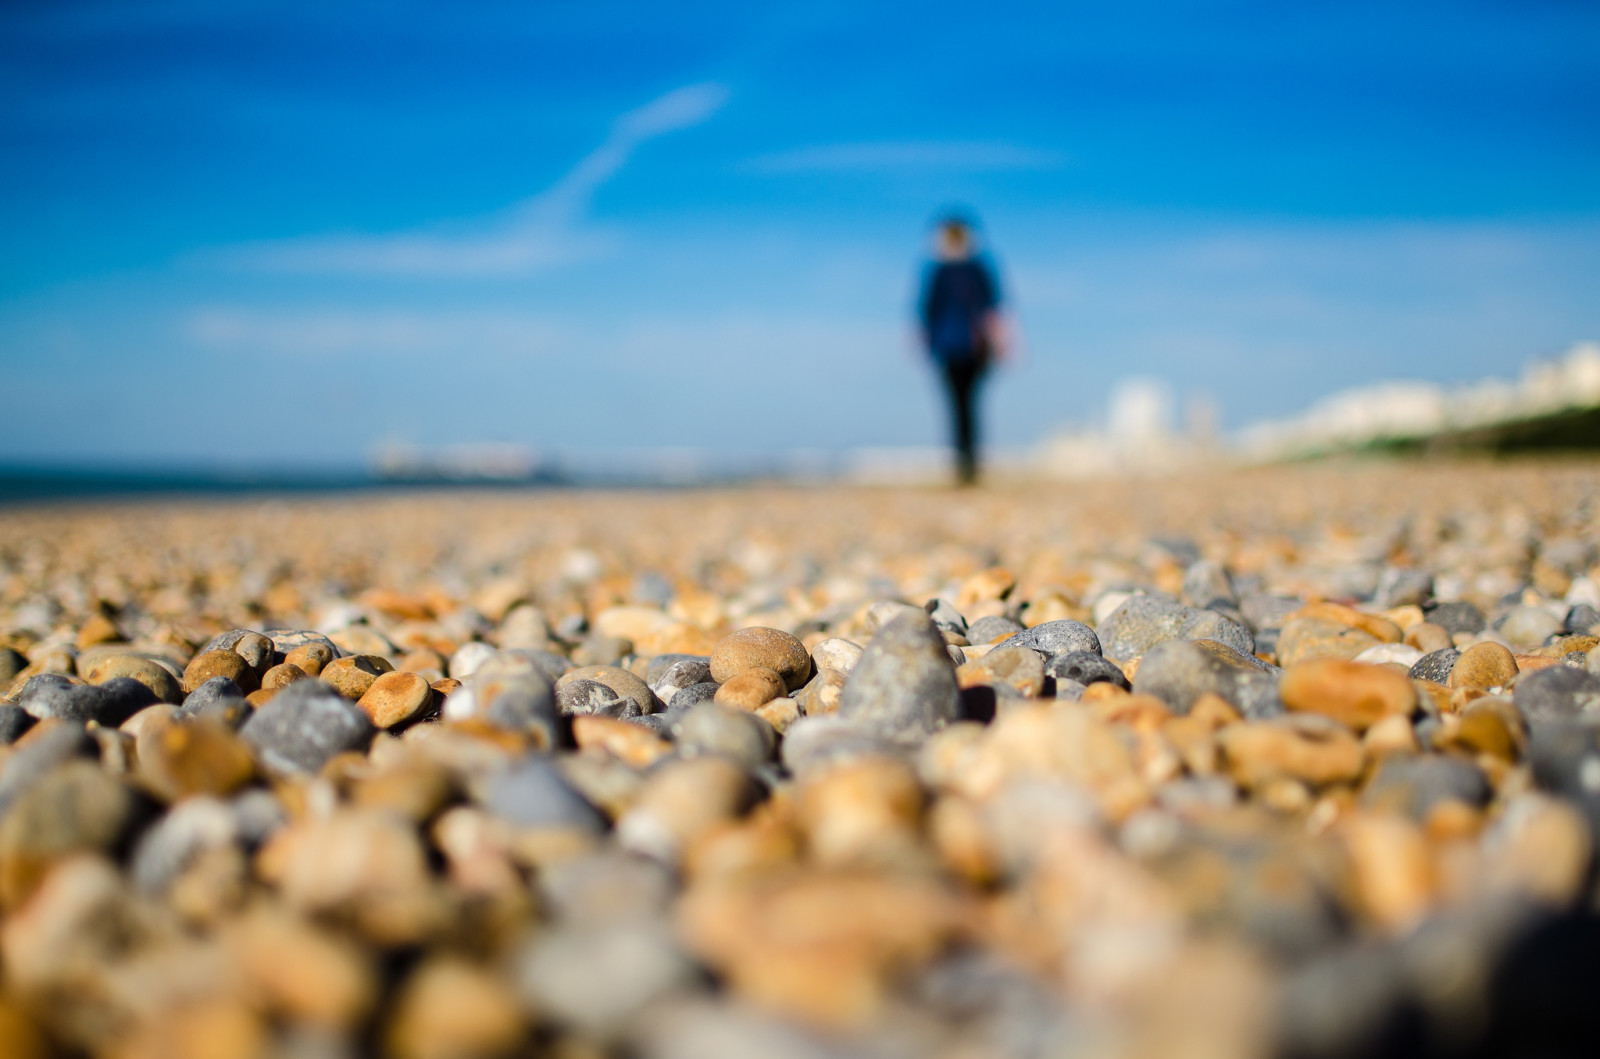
(1142, 713)
(750, 689)
(446, 685)
(394, 698)
(423, 658)
(633, 743)
(1191, 738)
(162, 684)
(1215, 710)
(1391, 735)
(1485, 665)
(362, 640)
(1050, 608)
(680, 800)
(1428, 637)
(819, 946)
(780, 713)
(451, 1008)
(1481, 731)
(1392, 867)
(209, 1029)
(352, 675)
(836, 653)
(822, 694)
(863, 811)
(627, 685)
(397, 604)
(98, 629)
(1437, 694)
(222, 663)
(300, 971)
(991, 584)
(310, 657)
(1287, 796)
(257, 650)
(281, 676)
(1380, 628)
(1020, 667)
(1408, 617)
(1307, 638)
(758, 845)
(196, 756)
(1451, 819)
(1103, 691)
(765, 648)
(1353, 694)
(149, 717)
(1530, 663)
(1306, 748)
(261, 697)
(963, 842)
(19, 1037)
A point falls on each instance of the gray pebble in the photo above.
(1529, 627)
(595, 977)
(1455, 617)
(1400, 586)
(713, 729)
(303, 725)
(193, 826)
(1581, 618)
(31, 763)
(1415, 784)
(1178, 673)
(11, 663)
(1085, 667)
(984, 630)
(693, 694)
(946, 616)
(1435, 665)
(679, 670)
(14, 722)
(1206, 583)
(1262, 611)
(1557, 693)
(813, 742)
(533, 793)
(904, 686)
(1055, 637)
(286, 640)
(579, 697)
(1146, 620)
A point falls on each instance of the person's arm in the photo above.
(926, 305)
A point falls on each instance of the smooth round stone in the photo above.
(1428, 637)
(220, 663)
(579, 698)
(1484, 666)
(108, 704)
(1180, 672)
(1557, 693)
(75, 807)
(352, 675)
(189, 829)
(1305, 747)
(162, 684)
(904, 686)
(193, 757)
(1456, 617)
(619, 680)
(750, 689)
(1017, 668)
(678, 668)
(1415, 783)
(14, 722)
(1530, 627)
(283, 675)
(764, 648)
(214, 698)
(11, 663)
(693, 695)
(286, 640)
(596, 650)
(944, 614)
(1207, 582)
(1435, 666)
(1357, 696)
(823, 693)
(1146, 620)
(395, 698)
(302, 726)
(597, 976)
(450, 1006)
(1086, 667)
(533, 793)
(815, 742)
(1581, 618)
(1054, 638)
(993, 628)
(711, 728)
(518, 702)
(1390, 654)
(469, 657)
(254, 647)
(310, 658)
(836, 653)
(1261, 611)
(684, 798)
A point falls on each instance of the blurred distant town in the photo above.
(1554, 406)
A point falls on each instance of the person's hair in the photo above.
(955, 234)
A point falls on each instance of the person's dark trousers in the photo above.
(961, 380)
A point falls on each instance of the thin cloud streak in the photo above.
(906, 155)
(540, 232)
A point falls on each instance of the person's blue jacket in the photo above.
(957, 298)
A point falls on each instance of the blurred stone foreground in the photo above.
(1296, 762)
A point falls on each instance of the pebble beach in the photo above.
(1289, 762)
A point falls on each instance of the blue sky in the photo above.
(283, 233)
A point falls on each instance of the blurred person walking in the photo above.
(962, 330)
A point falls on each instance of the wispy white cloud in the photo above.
(906, 155)
(539, 232)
